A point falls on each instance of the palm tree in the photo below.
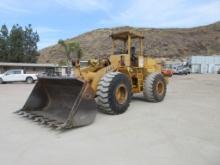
(72, 48)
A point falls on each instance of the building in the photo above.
(50, 69)
(28, 67)
(205, 64)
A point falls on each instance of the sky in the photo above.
(63, 19)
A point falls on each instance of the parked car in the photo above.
(218, 71)
(17, 75)
(180, 70)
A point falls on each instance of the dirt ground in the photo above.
(184, 129)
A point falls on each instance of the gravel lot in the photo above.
(184, 129)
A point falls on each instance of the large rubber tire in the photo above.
(29, 80)
(154, 87)
(107, 100)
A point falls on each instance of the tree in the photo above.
(20, 45)
(30, 44)
(71, 49)
(4, 47)
(16, 42)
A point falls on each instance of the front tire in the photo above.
(154, 87)
(114, 93)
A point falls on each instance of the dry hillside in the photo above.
(171, 43)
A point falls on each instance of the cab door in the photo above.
(7, 76)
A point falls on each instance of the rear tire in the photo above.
(114, 93)
(1, 81)
(29, 80)
(154, 87)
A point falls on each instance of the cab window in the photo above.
(9, 72)
(16, 72)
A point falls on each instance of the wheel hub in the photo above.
(160, 87)
(121, 94)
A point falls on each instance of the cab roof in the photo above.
(123, 35)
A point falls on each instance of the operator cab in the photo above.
(127, 48)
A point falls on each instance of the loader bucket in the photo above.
(60, 103)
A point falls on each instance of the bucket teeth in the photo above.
(25, 114)
(45, 121)
(59, 127)
(17, 111)
(30, 116)
(41, 120)
(52, 124)
(38, 119)
(20, 112)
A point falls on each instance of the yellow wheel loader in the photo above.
(106, 84)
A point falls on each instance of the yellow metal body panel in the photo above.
(92, 74)
(115, 59)
(152, 65)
